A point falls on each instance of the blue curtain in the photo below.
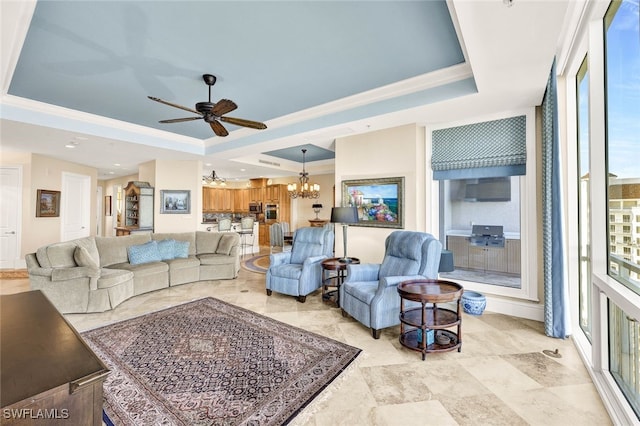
(556, 292)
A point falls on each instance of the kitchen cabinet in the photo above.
(459, 246)
(272, 194)
(138, 205)
(263, 232)
(513, 256)
(217, 199)
(256, 195)
(241, 200)
(488, 258)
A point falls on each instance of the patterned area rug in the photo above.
(208, 362)
(259, 264)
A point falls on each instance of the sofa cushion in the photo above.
(189, 262)
(143, 269)
(215, 259)
(181, 249)
(166, 249)
(226, 244)
(89, 243)
(113, 250)
(144, 253)
(83, 258)
(207, 242)
(57, 255)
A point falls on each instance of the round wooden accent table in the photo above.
(336, 279)
(424, 328)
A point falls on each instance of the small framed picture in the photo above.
(107, 205)
(175, 202)
(48, 203)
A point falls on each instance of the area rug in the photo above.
(13, 274)
(207, 362)
(259, 264)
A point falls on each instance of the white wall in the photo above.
(396, 152)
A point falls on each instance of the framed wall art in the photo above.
(175, 202)
(380, 202)
(48, 203)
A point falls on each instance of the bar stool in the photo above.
(246, 232)
(224, 225)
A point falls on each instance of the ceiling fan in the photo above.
(212, 113)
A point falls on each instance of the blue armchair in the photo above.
(370, 291)
(299, 271)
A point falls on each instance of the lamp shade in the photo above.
(344, 215)
(316, 206)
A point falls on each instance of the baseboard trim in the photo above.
(516, 308)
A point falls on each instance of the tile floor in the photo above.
(501, 377)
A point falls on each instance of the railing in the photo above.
(624, 354)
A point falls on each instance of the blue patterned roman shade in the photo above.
(489, 149)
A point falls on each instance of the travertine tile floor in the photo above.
(501, 377)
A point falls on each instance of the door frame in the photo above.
(18, 261)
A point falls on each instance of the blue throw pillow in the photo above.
(166, 249)
(181, 249)
(144, 253)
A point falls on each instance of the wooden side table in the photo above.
(317, 223)
(416, 323)
(336, 279)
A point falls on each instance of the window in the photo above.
(622, 126)
(612, 218)
(584, 256)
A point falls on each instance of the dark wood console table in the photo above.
(415, 323)
(47, 369)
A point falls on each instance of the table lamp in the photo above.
(317, 208)
(345, 216)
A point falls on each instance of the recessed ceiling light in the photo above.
(69, 145)
(207, 164)
(116, 164)
(112, 173)
(243, 170)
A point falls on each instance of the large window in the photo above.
(622, 50)
(622, 125)
(584, 303)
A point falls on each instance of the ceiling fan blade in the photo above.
(244, 123)
(174, 105)
(223, 106)
(180, 120)
(218, 128)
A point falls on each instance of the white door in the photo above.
(75, 207)
(10, 211)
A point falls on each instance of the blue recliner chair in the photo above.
(370, 291)
(299, 271)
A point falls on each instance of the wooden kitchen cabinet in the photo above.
(272, 194)
(256, 195)
(217, 200)
(488, 258)
(459, 246)
(263, 232)
(513, 256)
(241, 200)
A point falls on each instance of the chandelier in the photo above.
(306, 189)
(213, 179)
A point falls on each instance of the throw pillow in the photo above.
(226, 244)
(144, 253)
(166, 249)
(181, 249)
(83, 258)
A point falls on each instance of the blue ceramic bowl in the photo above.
(473, 303)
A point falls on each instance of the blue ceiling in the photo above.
(272, 58)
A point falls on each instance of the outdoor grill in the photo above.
(487, 235)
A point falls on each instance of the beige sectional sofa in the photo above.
(95, 274)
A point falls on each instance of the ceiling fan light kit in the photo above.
(212, 113)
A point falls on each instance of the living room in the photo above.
(399, 149)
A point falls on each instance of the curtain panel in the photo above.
(556, 291)
(488, 149)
